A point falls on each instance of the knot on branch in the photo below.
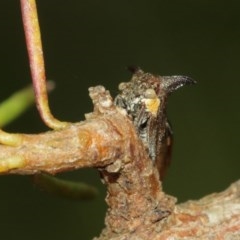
(102, 100)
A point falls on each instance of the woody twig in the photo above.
(116, 141)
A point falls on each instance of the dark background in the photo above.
(87, 43)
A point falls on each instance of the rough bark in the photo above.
(216, 216)
(138, 208)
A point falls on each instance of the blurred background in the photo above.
(87, 43)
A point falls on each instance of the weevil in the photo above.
(144, 98)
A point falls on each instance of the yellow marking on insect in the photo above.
(152, 105)
(9, 163)
(152, 102)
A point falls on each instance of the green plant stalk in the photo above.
(15, 105)
(35, 53)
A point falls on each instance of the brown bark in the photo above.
(215, 217)
(138, 208)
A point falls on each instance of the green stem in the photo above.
(15, 105)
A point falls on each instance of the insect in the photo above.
(145, 99)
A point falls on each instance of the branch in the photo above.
(138, 208)
(108, 141)
(216, 216)
(96, 142)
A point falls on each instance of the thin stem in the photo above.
(15, 105)
(35, 53)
